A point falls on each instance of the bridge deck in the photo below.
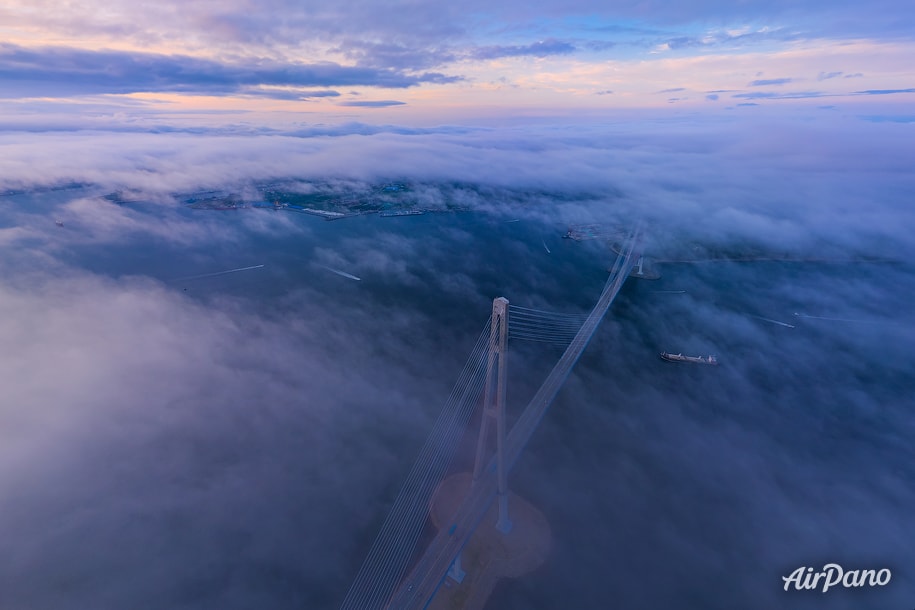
(429, 572)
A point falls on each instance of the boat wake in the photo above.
(203, 275)
(342, 273)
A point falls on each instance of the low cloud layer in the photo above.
(160, 450)
(234, 441)
(787, 184)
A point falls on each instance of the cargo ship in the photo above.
(681, 358)
(393, 213)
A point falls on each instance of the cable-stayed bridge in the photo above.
(381, 583)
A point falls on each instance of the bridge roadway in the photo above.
(418, 589)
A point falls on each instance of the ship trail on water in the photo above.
(773, 321)
(203, 275)
(342, 273)
(802, 315)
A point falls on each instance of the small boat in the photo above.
(681, 358)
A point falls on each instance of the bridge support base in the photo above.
(455, 572)
(644, 271)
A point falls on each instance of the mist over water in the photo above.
(235, 441)
(673, 483)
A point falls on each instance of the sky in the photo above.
(234, 441)
(416, 61)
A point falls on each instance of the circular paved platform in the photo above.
(489, 554)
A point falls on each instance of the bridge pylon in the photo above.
(494, 409)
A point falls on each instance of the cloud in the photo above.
(429, 22)
(50, 123)
(356, 128)
(882, 118)
(237, 444)
(829, 75)
(543, 48)
(170, 436)
(288, 94)
(163, 163)
(372, 103)
(605, 92)
(392, 55)
(771, 95)
(884, 91)
(721, 38)
(248, 52)
(782, 522)
(62, 71)
(414, 37)
(674, 90)
(712, 97)
(770, 81)
(598, 45)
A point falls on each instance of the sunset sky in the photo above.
(419, 61)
